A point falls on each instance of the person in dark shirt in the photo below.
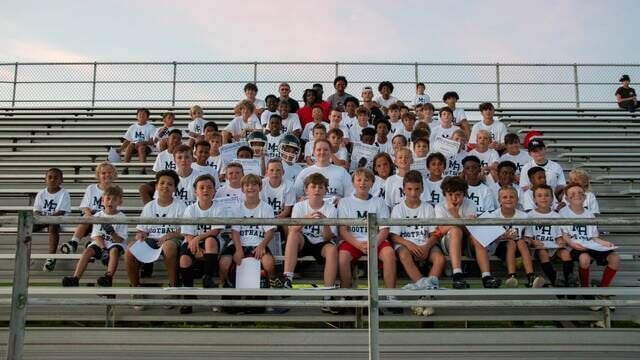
(626, 96)
(284, 89)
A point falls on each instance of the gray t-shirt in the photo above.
(337, 101)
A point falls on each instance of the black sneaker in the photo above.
(186, 310)
(70, 247)
(105, 281)
(208, 282)
(459, 282)
(49, 265)
(70, 281)
(281, 282)
(329, 310)
(489, 282)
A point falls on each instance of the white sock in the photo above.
(288, 275)
(457, 271)
(75, 238)
(485, 274)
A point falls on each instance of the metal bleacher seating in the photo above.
(77, 139)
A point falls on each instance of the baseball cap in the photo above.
(535, 144)
(624, 78)
(367, 88)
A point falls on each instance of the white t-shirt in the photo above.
(396, 128)
(205, 169)
(421, 100)
(153, 210)
(266, 115)
(164, 161)
(308, 149)
(435, 196)
(314, 232)
(497, 129)
(378, 187)
(547, 234)
(416, 234)
(307, 132)
(393, 190)
(291, 124)
(348, 121)
(140, 133)
(227, 191)
(343, 127)
(553, 172)
(579, 233)
(271, 152)
(385, 103)
(215, 162)
(454, 164)
(520, 160)
(92, 199)
(339, 180)
(483, 197)
(590, 202)
(291, 171)
(518, 229)
(184, 190)
(237, 125)
(194, 211)
(356, 130)
(278, 198)
(386, 147)
(458, 116)
(48, 203)
(342, 153)
(487, 158)
(121, 229)
(442, 132)
(353, 207)
(252, 235)
(495, 187)
(196, 125)
(467, 210)
(259, 103)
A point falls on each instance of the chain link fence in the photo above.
(221, 84)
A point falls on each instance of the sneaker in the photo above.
(105, 281)
(411, 286)
(70, 281)
(329, 310)
(208, 282)
(187, 309)
(428, 311)
(49, 265)
(394, 310)
(70, 247)
(428, 283)
(281, 282)
(138, 307)
(572, 281)
(511, 282)
(598, 307)
(459, 282)
(489, 282)
(538, 282)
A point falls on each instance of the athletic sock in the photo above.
(187, 276)
(457, 271)
(567, 269)
(75, 238)
(548, 270)
(607, 276)
(288, 275)
(584, 277)
(210, 264)
(485, 274)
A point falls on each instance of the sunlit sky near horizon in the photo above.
(251, 30)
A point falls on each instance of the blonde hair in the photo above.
(107, 165)
(193, 109)
(582, 178)
(366, 172)
(508, 188)
(251, 179)
(246, 104)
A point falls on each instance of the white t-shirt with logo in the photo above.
(466, 210)
(483, 197)
(547, 234)
(137, 133)
(435, 196)
(579, 233)
(206, 169)
(291, 124)
(271, 150)
(314, 232)
(252, 235)
(48, 203)
(164, 161)
(487, 158)
(121, 229)
(553, 172)
(497, 129)
(194, 211)
(278, 198)
(237, 125)
(339, 180)
(153, 210)
(520, 160)
(454, 164)
(353, 207)
(416, 234)
(196, 125)
(92, 199)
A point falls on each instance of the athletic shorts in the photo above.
(600, 257)
(184, 248)
(315, 250)
(247, 250)
(501, 251)
(465, 246)
(40, 227)
(103, 253)
(357, 254)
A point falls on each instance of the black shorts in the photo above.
(103, 253)
(315, 250)
(40, 227)
(600, 257)
(184, 248)
(247, 250)
(501, 251)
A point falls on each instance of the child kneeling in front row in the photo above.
(108, 241)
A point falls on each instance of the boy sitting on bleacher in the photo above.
(91, 204)
(139, 138)
(553, 171)
(108, 241)
(52, 201)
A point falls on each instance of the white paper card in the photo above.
(250, 166)
(446, 147)
(362, 151)
(486, 234)
(592, 245)
(228, 204)
(145, 253)
(248, 274)
(275, 246)
(228, 152)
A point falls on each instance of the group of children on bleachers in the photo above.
(400, 177)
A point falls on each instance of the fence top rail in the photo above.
(310, 63)
(333, 221)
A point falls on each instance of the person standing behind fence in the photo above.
(626, 96)
(337, 99)
(52, 201)
(284, 90)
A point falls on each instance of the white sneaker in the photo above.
(412, 286)
(138, 307)
(49, 265)
(511, 282)
(428, 283)
(428, 311)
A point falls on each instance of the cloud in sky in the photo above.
(331, 30)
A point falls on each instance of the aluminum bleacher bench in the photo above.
(619, 177)
(593, 145)
(75, 165)
(612, 138)
(602, 154)
(77, 177)
(588, 130)
(64, 144)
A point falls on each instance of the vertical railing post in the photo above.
(15, 84)
(415, 71)
(22, 260)
(173, 83)
(372, 262)
(255, 73)
(575, 81)
(93, 84)
(498, 84)
(337, 70)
